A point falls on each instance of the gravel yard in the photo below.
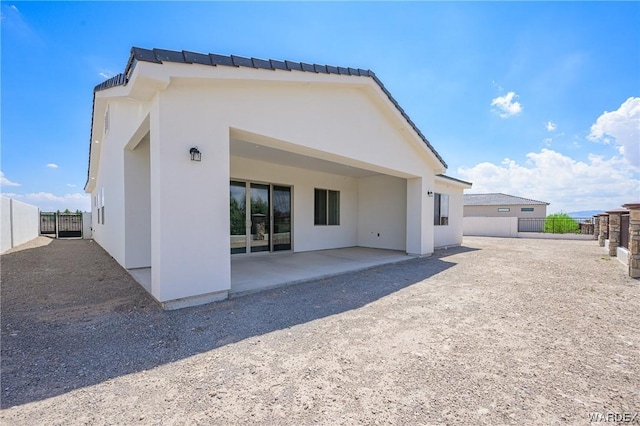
(500, 331)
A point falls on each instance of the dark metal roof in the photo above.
(454, 179)
(118, 80)
(159, 56)
(498, 199)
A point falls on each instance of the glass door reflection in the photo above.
(281, 218)
(238, 216)
(260, 219)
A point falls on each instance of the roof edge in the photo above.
(507, 195)
(454, 179)
(159, 56)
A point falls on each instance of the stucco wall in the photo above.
(20, 223)
(137, 169)
(306, 235)
(539, 211)
(451, 234)
(340, 123)
(110, 180)
(382, 212)
(189, 201)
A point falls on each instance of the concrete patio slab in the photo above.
(259, 272)
(251, 273)
(143, 276)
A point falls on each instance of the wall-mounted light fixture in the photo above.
(195, 154)
(430, 193)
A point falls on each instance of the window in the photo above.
(326, 207)
(441, 209)
(503, 209)
(526, 209)
(107, 120)
(101, 207)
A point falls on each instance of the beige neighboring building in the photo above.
(503, 205)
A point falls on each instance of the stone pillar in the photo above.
(614, 230)
(604, 228)
(596, 227)
(634, 239)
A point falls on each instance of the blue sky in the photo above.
(535, 99)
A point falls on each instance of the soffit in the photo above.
(244, 149)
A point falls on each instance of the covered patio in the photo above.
(254, 273)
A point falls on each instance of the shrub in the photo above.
(561, 223)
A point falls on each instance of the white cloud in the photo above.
(493, 82)
(52, 165)
(6, 182)
(551, 126)
(568, 184)
(105, 74)
(14, 23)
(47, 201)
(506, 106)
(622, 129)
(71, 185)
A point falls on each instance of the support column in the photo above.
(634, 239)
(603, 218)
(189, 204)
(596, 227)
(420, 216)
(614, 230)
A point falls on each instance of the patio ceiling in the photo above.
(254, 151)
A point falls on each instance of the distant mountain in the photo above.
(585, 213)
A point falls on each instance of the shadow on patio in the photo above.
(72, 317)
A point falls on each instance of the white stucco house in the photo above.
(196, 158)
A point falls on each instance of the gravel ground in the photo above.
(500, 331)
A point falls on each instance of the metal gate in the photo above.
(61, 225)
(48, 224)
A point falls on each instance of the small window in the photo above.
(326, 207)
(441, 209)
(504, 209)
(107, 119)
(101, 206)
(526, 209)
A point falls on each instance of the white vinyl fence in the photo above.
(490, 226)
(20, 223)
(483, 226)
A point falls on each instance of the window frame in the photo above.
(330, 205)
(504, 209)
(440, 209)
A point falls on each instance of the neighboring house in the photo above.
(503, 205)
(195, 158)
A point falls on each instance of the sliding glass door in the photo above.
(260, 218)
(238, 216)
(281, 218)
(266, 225)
